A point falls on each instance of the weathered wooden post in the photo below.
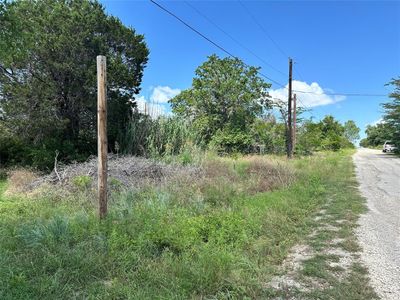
(102, 134)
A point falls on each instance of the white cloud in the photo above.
(379, 121)
(157, 104)
(315, 95)
(152, 109)
(161, 94)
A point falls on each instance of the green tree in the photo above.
(269, 135)
(309, 137)
(225, 99)
(48, 55)
(377, 135)
(351, 131)
(328, 134)
(392, 112)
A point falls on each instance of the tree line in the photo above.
(48, 94)
(388, 129)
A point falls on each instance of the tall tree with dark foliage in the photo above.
(48, 55)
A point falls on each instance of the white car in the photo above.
(388, 147)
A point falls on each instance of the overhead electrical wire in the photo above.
(233, 39)
(334, 94)
(263, 29)
(308, 108)
(285, 55)
(273, 41)
(341, 94)
(208, 39)
(192, 28)
(260, 73)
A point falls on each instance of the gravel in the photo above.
(379, 231)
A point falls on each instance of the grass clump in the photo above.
(82, 182)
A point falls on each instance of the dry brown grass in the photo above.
(229, 177)
(20, 181)
(219, 167)
(265, 174)
(216, 181)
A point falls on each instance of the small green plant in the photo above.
(82, 182)
(115, 184)
(186, 157)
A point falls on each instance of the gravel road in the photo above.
(379, 232)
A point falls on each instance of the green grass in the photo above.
(220, 244)
(346, 205)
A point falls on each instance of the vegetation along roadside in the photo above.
(227, 234)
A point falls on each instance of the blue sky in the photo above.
(340, 46)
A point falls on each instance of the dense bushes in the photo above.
(168, 136)
(48, 55)
(15, 150)
(328, 134)
(231, 141)
(377, 135)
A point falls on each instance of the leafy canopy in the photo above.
(351, 131)
(48, 55)
(225, 99)
(327, 134)
(392, 112)
(377, 135)
(389, 128)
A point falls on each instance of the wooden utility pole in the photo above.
(294, 122)
(289, 144)
(102, 134)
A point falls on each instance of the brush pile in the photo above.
(130, 171)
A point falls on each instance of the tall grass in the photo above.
(164, 136)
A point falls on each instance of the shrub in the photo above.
(231, 141)
(82, 182)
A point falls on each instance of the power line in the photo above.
(298, 72)
(309, 109)
(233, 39)
(208, 39)
(192, 28)
(263, 30)
(341, 94)
(335, 94)
(260, 73)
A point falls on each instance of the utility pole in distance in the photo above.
(289, 145)
(102, 135)
(294, 123)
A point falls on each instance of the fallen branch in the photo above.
(55, 166)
